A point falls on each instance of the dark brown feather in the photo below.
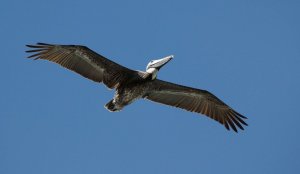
(196, 100)
(84, 61)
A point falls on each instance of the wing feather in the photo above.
(196, 100)
(83, 61)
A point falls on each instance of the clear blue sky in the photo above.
(245, 52)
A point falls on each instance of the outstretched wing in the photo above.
(84, 61)
(195, 100)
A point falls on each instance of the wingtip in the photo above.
(240, 115)
(226, 126)
(30, 46)
(235, 129)
(41, 43)
(34, 55)
(38, 45)
(35, 46)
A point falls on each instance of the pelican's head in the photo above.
(154, 65)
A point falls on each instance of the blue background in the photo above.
(245, 52)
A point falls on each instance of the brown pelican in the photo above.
(131, 85)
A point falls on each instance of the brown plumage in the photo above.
(195, 100)
(84, 61)
(131, 85)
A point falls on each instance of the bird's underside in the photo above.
(131, 85)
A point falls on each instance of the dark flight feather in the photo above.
(84, 61)
(196, 100)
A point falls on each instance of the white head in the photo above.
(154, 65)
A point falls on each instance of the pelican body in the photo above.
(137, 86)
(131, 85)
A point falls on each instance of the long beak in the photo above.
(161, 62)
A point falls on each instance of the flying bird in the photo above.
(131, 85)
